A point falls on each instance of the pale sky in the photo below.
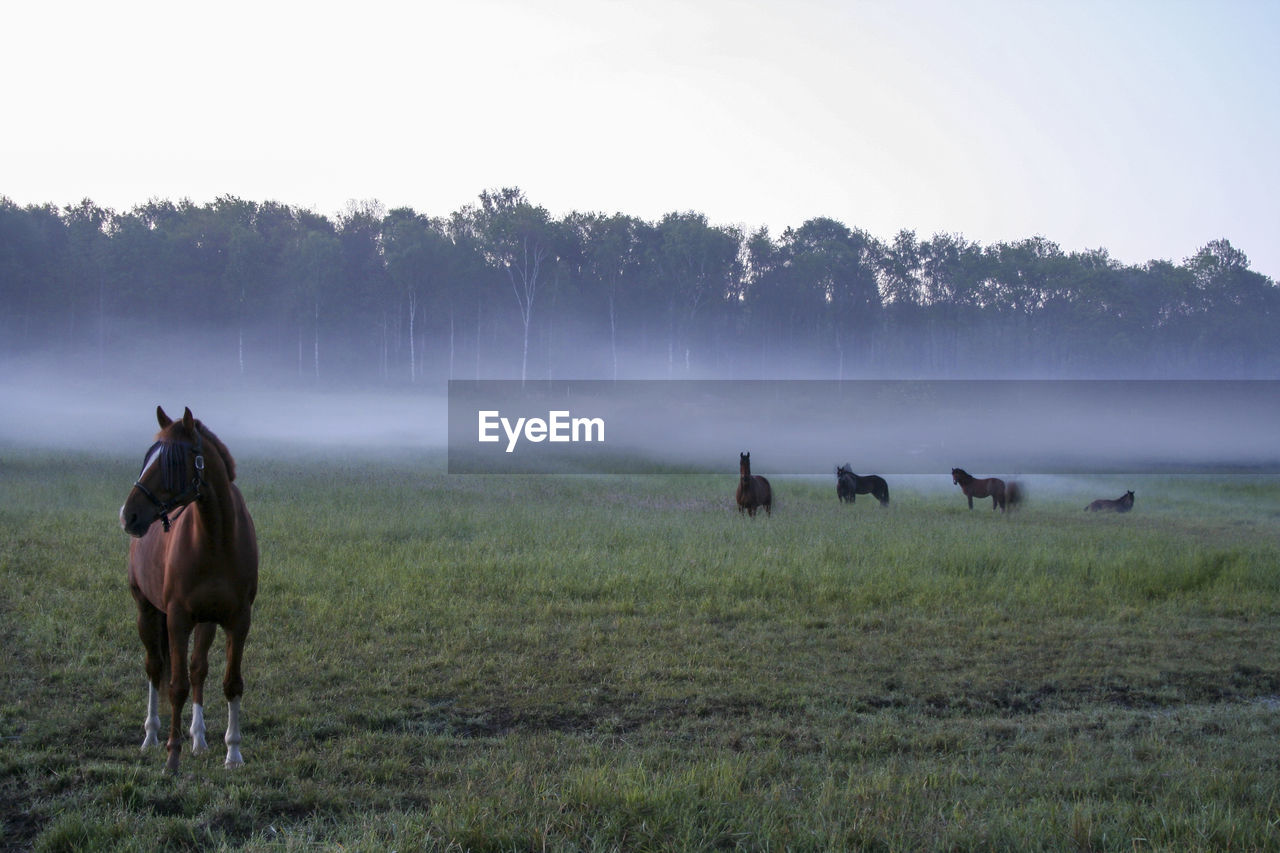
(1146, 128)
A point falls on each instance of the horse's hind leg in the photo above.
(151, 629)
(151, 725)
(233, 689)
(202, 639)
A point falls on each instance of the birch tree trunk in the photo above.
(413, 352)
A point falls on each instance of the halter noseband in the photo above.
(181, 499)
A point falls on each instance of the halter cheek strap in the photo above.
(191, 493)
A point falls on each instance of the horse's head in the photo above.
(956, 474)
(1128, 497)
(171, 476)
(843, 470)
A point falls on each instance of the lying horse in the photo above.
(753, 492)
(849, 484)
(1124, 503)
(991, 487)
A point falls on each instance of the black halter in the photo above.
(171, 462)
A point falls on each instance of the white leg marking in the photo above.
(198, 743)
(152, 723)
(232, 739)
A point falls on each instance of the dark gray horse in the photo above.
(849, 484)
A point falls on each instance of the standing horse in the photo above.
(992, 487)
(195, 571)
(1013, 494)
(1124, 503)
(849, 484)
(753, 492)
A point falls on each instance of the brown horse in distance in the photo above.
(753, 491)
(1124, 503)
(195, 571)
(991, 487)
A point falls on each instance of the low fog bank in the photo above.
(791, 428)
(989, 428)
(44, 408)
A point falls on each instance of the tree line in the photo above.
(501, 288)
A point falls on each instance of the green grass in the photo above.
(448, 663)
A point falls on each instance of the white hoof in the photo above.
(151, 723)
(198, 743)
(232, 739)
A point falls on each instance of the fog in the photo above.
(1076, 431)
(990, 428)
(51, 408)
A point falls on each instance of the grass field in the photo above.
(598, 663)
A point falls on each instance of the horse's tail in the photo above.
(883, 495)
(1013, 493)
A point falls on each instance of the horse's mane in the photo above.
(227, 459)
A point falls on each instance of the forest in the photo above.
(269, 292)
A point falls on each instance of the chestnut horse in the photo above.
(992, 487)
(753, 492)
(849, 485)
(194, 571)
(1124, 503)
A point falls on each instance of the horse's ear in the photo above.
(188, 421)
(161, 418)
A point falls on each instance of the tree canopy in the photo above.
(501, 288)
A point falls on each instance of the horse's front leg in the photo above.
(151, 629)
(179, 684)
(970, 497)
(202, 638)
